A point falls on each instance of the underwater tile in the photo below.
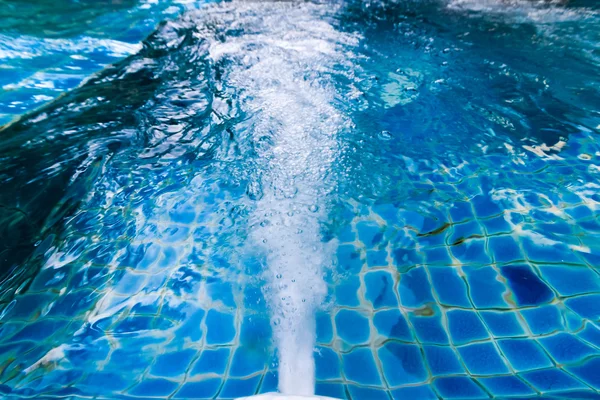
(586, 306)
(464, 231)
(571, 280)
(482, 359)
(349, 260)
(205, 389)
(173, 364)
(214, 361)
(80, 357)
(406, 258)
(392, 324)
(543, 320)
(551, 380)
(572, 321)
(442, 360)
(566, 348)
(579, 212)
(461, 211)
(39, 330)
(346, 234)
(269, 383)
(485, 289)
(233, 388)
(471, 252)
(524, 354)
(429, 329)
(324, 327)
(591, 333)
(458, 388)
(506, 386)
(183, 213)
(191, 326)
(573, 394)
(388, 212)
(335, 390)
(402, 363)
(63, 392)
(255, 331)
(411, 218)
(104, 382)
(220, 327)
(352, 327)
(25, 306)
(327, 364)
(358, 392)
(248, 360)
(592, 258)
(254, 299)
(174, 234)
(502, 324)
(359, 366)
(154, 388)
(369, 233)
(6, 118)
(557, 253)
(435, 256)
(526, 287)
(82, 278)
(130, 360)
(434, 222)
(505, 249)
(377, 258)
(380, 289)
(94, 382)
(423, 392)
(150, 255)
(414, 288)
(133, 323)
(169, 257)
(130, 283)
(496, 225)
(556, 226)
(51, 277)
(588, 372)
(434, 238)
(449, 287)
(484, 206)
(346, 292)
(465, 326)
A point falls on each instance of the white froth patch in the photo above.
(281, 75)
(54, 356)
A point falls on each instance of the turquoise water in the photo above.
(360, 199)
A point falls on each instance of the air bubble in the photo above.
(385, 135)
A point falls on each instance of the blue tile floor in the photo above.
(468, 274)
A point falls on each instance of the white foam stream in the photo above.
(281, 74)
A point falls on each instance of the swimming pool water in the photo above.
(406, 193)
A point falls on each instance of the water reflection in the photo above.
(165, 211)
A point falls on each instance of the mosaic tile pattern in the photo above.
(467, 279)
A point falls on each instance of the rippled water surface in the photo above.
(362, 199)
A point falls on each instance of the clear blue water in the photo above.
(362, 199)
